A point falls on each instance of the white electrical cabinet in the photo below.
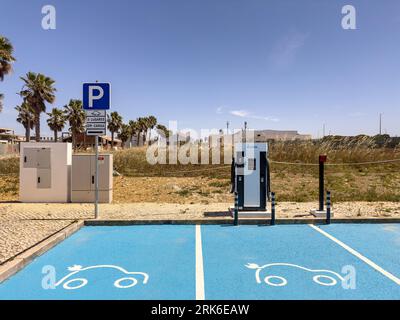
(83, 178)
(45, 172)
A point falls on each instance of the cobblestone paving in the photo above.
(22, 225)
(19, 235)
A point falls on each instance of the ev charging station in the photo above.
(250, 179)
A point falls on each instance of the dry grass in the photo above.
(132, 162)
(143, 182)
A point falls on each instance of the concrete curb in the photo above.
(11, 267)
(248, 221)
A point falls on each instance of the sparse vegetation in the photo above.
(370, 182)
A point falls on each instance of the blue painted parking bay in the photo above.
(338, 261)
(162, 255)
(289, 262)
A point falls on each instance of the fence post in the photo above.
(236, 210)
(328, 207)
(272, 208)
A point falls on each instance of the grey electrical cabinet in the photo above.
(83, 178)
(44, 178)
(45, 172)
(37, 158)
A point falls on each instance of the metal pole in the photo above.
(321, 185)
(328, 207)
(272, 208)
(96, 179)
(245, 132)
(236, 210)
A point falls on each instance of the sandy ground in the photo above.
(22, 224)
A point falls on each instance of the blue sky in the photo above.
(277, 64)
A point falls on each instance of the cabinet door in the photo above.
(105, 171)
(43, 158)
(81, 173)
(30, 157)
(43, 178)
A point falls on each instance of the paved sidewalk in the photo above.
(22, 225)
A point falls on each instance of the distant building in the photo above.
(9, 136)
(181, 137)
(258, 136)
(280, 135)
(9, 141)
(84, 141)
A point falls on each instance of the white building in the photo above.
(258, 136)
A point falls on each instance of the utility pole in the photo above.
(380, 123)
(227, 127)
(323, 130)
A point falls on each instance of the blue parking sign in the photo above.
(96, 96)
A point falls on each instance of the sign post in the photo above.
(96, 100)
(322, 160)
(96, 179)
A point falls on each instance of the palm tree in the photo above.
(1, 101)
(151, 123)
(163, 131)
(26, 118)
(37, 90)
(6, 58)
(76, 118)
(56, 121)
(142, 124)
(124, 134)
(114, 125)
(134, 130)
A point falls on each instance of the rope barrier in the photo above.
(189, 171)
(294, 163)
(197, 170)
(288, 163)
(337, 164)
(271, 161)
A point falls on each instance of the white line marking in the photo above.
(358, 255)
(199, 266)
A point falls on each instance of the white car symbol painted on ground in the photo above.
(70, 284)
(321, 277)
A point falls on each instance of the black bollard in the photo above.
(328, 207)
(272, 208)
(236, 210)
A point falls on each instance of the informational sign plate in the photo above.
(96, 122)
(96, 113)
(96, 125)
(95, 132)
(95, 119)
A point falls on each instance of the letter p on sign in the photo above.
(96, 96)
